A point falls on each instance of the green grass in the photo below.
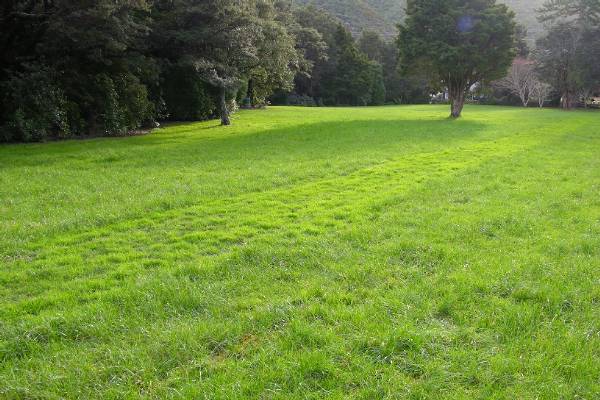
(307, 253)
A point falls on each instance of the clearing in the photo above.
(307, 253)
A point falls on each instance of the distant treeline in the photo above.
(110, 67)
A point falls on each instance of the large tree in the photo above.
(459, 43)
(217, 38)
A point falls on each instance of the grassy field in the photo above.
(302, 253)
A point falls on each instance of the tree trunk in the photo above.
(250, 92)
(567, 101)
(224, 111)
(457, 100)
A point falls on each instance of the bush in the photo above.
(134, 101)
(33, 107)
(121, 105)
(377, 86)
(186, 97)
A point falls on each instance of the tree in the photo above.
(351, 78)
(278, 58)
(521, 46)
(459, 43)
(372, 45)
(519, 80)
(111, 66)
(540, 91)
(215, 37)
(85, 57)
(398, 88)
(557, 56)
(321, 56)
(343, 75)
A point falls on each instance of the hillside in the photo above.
(383, 15)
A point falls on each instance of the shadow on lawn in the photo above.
(184, 148)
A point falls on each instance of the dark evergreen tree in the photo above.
(459, 43)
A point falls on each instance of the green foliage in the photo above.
(93, 50)
(33, 107)
(345, 76)
(122, 104)
(376, 86)
(399, 89)
(459, 43)
(187, 98)
(109, 60)
(350, 78)
(346, 253)
(582, 11)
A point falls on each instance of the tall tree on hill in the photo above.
(351, 78)
(459, 42)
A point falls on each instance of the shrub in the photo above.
(186, 97)
(123, 104)
(33, 107)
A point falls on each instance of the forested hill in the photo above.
(383, 15)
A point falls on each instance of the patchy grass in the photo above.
(307, 253)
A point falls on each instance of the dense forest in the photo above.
(81, 67)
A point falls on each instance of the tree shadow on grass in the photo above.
(302, 141)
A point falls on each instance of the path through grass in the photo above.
(307, 253)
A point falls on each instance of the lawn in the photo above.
(307, 253)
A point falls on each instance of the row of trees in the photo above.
(106, 67)
(567, 56)
(353, 72)
(564, 61)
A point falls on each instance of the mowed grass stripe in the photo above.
(308, 209)
(75, 184)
